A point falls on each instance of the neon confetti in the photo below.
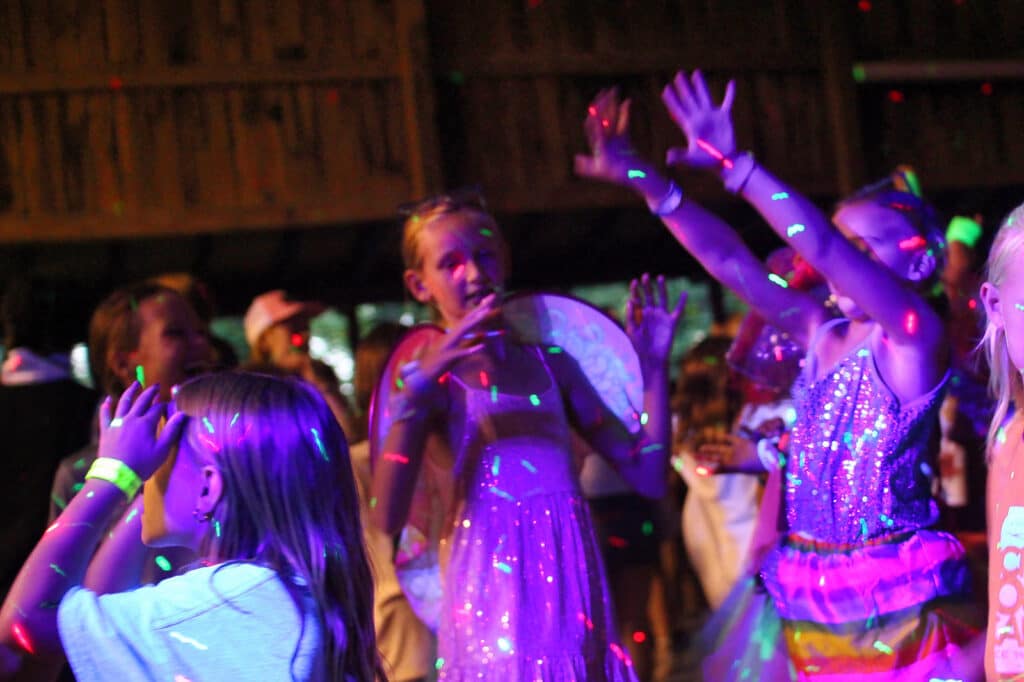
(529, 467)
(494, 394)
(131, 515)
(883, 647)
(233, 420)
(779, 196)
(216, 527)
(484, 379)
(395, 457)
(140, 375)
(496, 465)
(795, 229)
(1019, 306)
(912, 243)
(644, 418)
(534, 400)
(636, 174)
(502, 494)
(208, 424)
(653, 447)
(209, 442)
(189, 640)
(486, 232)
(58, 571)
(620, 654)
(438, 664)
(320, 445)
(59, 501)
(910, 323)
(717, 155)
(163, 562)
(554, 350)
(503, 567)
(21, 637)
(504, 644)
(778, 280)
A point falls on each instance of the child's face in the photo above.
(169, 498)
(883, 235)
(171, 343)
(1004, 306)
(463, 261)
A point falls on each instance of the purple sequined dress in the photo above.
(525, 596)
(860, 586)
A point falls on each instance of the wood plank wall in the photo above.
(121, 117)
(129, 117)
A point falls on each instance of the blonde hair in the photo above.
(1004, 381)
(442, 206)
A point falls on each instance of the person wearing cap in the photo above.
(277, 331)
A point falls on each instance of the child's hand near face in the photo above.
(128, 432)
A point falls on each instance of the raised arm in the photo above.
(905, 316)
(28, 620)
(708, 238)
(641, 459)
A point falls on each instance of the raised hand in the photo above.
(421, 377)
(708, 129)
(128, 432)
(650, 324)
(612, 157)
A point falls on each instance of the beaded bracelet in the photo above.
(117, 472)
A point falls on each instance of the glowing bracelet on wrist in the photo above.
(117, 472)
(963, 230)
(668, 203)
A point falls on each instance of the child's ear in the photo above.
(213, 488)
(414, 283)
(922, 266)
(993, 304)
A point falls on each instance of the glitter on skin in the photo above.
(208, 424)
(58, 571)
(140, 375)
(502, 494)
(554, 350)
(162, 562)
(778, 280)
(534, 400)
(395, 457)
(883, 647)
(779, 196)
(636, 174)
(529, 467)
(131, 515)
(795, 229)
(503, 567)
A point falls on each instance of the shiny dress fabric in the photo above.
(863, 588)
(525, 597)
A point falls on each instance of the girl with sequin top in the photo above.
(524, 591)
(860, 586)
(1003, 297)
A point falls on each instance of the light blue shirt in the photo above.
(228, 622)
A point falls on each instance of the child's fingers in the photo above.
(662, 292)
(648, 286)
(105, 416)
(171, 432)
(680, 305)
(145, 401)
(585, 166)
(623, 124)
(700, 90)
(684, 93)
(730, 93)
(124, 405)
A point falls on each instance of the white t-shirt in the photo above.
(228, 622)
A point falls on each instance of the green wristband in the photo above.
(117, 472)
(963, 230)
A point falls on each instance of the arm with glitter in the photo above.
(640, 458)
(905, 316)
(417, 407)
(28, 620)
(710, 240)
